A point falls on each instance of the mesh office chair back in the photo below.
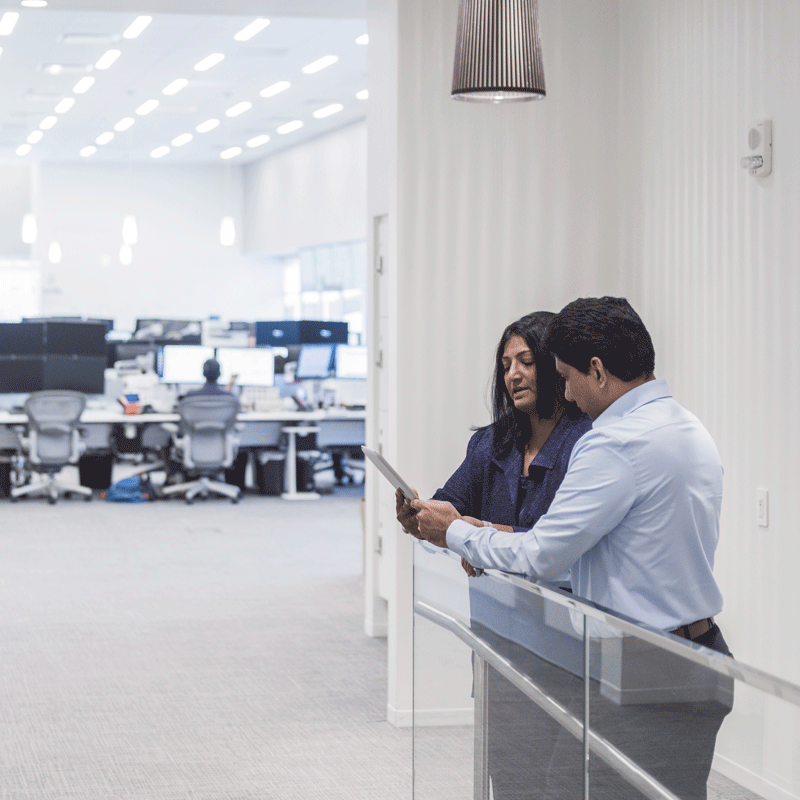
(54, 417)
(208, 420)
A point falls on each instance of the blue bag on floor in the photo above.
(135, 489)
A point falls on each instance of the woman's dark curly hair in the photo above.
(512, 427)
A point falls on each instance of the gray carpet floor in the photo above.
(166, 651)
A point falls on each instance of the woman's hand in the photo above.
(406, 515)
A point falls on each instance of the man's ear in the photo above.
(598, 371)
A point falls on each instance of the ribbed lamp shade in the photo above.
(498, 53)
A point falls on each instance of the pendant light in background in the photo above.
(29, 228)
(126, 255)
(227, 231)
(54, 253)
(498, 54)
(130, 233)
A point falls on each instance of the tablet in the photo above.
(388, 472)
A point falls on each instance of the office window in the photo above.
(22, 290)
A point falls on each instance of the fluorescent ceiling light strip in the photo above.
(363, 39)
(107, 59)
(231, 152)
(64, 105)
(257, 141)
(147, 107)
(7, 22)
(184, 138)
(83, 85)
(104, 138)
(239, 108)
(333, 108)
(34, 3)
(48, 123)
(249, 31)
(136, 27)
(276, 88)
(175, 86)
(1, 51)
(23, 150)
(363, 94)
(209, 61)
(124, 124)
(160, 151)
(208, 125)
(35, 136)
(320, 63)
(290, 126)
(88, 151)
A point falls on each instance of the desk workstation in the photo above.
(301, 411)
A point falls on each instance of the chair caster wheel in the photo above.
(189, 501)
(13, 499)
(51, 500)
(234, 500)
(87, 498)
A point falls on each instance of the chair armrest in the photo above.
(55, 427)
(170, 427)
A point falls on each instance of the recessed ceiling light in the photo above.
(89, 38)
(363, 39)
(363, 94)
(35, 136)
(1, 51)
(208, 125)
(231, 152)
(64, 105)
(136, 27)
(48, 123)
(160, 151)
(208, 62)
(249, 31)
(90, 150)
(107, 59)
(147, 107)
(290, 126)
(60, 69)
(276, 88)
(239, 108)
(83, 85)
(7, 22)
(257, 141)
(104, 138)
(124, 124)
(34, 3)
(320, 63)
(333, 108)
(175, 86)
(23, 150)
(184, 138)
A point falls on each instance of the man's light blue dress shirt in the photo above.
(636, 518)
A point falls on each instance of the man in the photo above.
(636, 518)
(211, 372)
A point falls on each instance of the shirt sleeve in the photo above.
(463, 487)
(595, 495)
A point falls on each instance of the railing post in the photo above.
(480, 686)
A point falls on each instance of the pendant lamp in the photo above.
(498, 53)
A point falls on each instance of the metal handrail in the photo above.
(601, 747)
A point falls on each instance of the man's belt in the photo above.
(694, 629)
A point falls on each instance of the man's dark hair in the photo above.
(513, 427)
(211, 370)
(606, 327)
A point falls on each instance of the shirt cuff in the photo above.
(457, 534)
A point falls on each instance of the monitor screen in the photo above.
(21, 338)
(314, 331)
(183, 363)
(351, 361)
(78, 373)
(314, 362)
(21, 375)
(253, 366)
(277, 334)
(75, 338)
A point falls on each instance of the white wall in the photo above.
(179, 269)
(15, 201)
(312, 194)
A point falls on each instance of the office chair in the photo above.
(207, 445)
(52, 441)
(339, 445)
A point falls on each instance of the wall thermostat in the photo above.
(759, 146)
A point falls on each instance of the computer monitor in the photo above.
(281, 333)
(21, 338)
(78, 373)
(351, 361)
(21, 375)
(183, 363)
(253, 366)
(171, 330)
(314, 331)
(75, 338)
(314, 362)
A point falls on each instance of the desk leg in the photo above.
(290, 473)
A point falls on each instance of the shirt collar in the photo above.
(630, 401)
(546, 457)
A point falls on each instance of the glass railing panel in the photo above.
(503, 685)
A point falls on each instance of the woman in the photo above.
(508, 479)
(515, 465)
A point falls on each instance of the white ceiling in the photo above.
(168, 49)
